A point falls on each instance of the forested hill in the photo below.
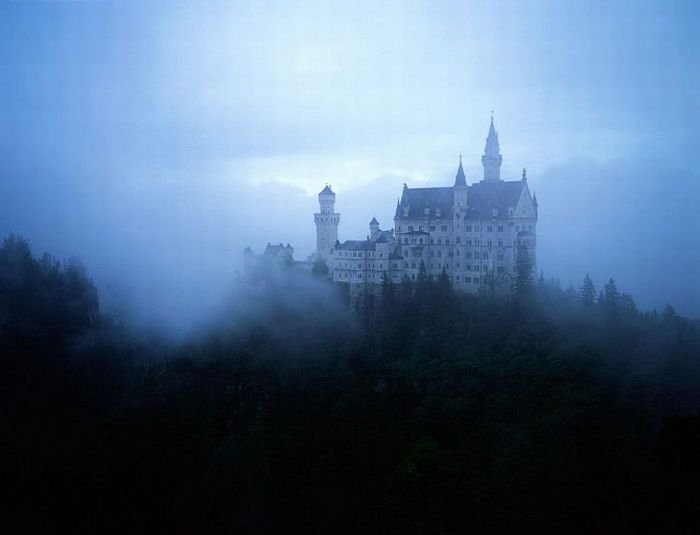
(552, 411)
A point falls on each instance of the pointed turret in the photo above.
(373, 227)
(492, 159)
(460, 179)
(460, 187)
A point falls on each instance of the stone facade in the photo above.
(470, 232)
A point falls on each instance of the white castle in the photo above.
(472, 233)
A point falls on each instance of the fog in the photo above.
(155, 141)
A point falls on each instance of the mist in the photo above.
(157, 143)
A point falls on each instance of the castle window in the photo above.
(457, 278)
(405, 240)
(432, 241)
(469, 267)
(439, 253)
(488, 242)
(443, 228)
(420, 241)
(489, 228)
(467, 279)
(447, 241)
(458, 239)
(410, 228)
(476, 255)
(468, 242)
(500, 243)
(438, 212)
(500, 269)
(476, 228)
(500, 228)
(432, 227)
(468, 228)
(457, 252)
(476, 241)
(476, 280)
(469, 255)
(486, 256)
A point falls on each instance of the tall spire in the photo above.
(460, 179)
(492, 159)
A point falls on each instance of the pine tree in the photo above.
(587, 293)
(612, 295)
(523, 285)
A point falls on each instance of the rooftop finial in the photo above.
(524, 174)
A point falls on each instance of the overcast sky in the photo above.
(169, 129)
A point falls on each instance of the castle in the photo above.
(472, 233)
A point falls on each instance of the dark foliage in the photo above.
(447, 413)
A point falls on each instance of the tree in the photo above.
(587, 292)
(612, 295)
(320, 267)
(523, 285)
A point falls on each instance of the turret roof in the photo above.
(460, 179)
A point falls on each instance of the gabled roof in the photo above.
(384, 236)
(482, 199)
(327, 191)
(374, 221)
(488, 195)
(356, 245)
(418, 199)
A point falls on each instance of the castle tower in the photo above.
(492, 159)
(326, 223)
(373, 228)
(460, 187)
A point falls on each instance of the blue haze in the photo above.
(156, 139)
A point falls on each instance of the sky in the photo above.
(157, 139)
